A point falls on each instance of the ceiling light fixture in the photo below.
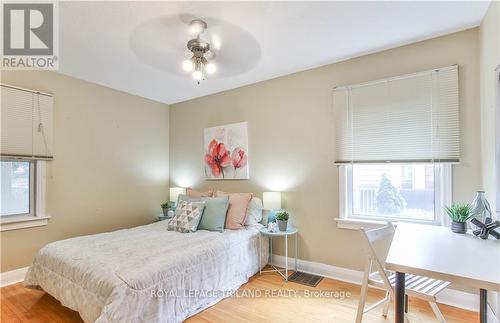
(198, 64)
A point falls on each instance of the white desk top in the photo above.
(436, 252)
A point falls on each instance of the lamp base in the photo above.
(271, 217)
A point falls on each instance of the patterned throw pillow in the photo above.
(187, 217)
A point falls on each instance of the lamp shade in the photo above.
(175, 192)
(272, 200)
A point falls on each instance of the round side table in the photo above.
(289, 232)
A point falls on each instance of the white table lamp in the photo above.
(175, 192)
(272, 202)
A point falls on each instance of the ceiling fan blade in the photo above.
(161, 43)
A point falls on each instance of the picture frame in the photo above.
(226, 154)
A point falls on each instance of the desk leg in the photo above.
(400, 298)
(483, 305)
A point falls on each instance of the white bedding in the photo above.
(146, 274)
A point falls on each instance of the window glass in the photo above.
(393, 191)
(15, 188)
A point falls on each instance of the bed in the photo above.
(146, 274)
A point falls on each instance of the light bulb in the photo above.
(196, 27)
(187, 65)
(197, 75)
(210, 68)
(216, 42)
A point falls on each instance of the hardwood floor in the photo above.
(19, 304)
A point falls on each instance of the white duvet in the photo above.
(146, 274)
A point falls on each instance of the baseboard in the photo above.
(14, 276)
(453, 297)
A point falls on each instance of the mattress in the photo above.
(146, 274)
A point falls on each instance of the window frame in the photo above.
(37, 216)
(442, 196)
(32, 188)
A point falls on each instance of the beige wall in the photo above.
(291, 137)
(489, 60)
(110, 167)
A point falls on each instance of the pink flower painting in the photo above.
(239, 158)
(217, 157)
(226, 152)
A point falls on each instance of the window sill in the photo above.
(356, 224)
(23, 222)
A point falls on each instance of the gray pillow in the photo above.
(214, 214)
(187, 217)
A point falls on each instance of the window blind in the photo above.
(410, 118)
(26, 123)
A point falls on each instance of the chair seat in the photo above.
(418, 286)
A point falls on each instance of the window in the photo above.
(26, 145)
(395, 141)
(17, 188)
(22, 191)
(395, 192)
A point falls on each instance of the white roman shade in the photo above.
(410, 118)
(27, 123)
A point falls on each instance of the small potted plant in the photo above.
(459, 214)
(167, 206)
(282, 219)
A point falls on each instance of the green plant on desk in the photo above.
(459, 214)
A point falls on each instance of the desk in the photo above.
(436, 252)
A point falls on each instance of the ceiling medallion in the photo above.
(198, 64)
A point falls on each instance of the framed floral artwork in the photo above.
(226, 152)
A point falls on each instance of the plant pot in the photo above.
(282, 225)
(165, 211)
(458, 227)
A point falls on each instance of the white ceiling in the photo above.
(138, 47)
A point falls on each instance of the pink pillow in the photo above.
(192, 193)
(237, 212)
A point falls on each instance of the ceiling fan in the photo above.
(161, 43)
(200, 52)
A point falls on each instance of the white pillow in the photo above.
(254, 211)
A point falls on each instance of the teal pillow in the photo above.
(214, 214)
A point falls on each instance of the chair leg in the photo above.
(437, 312)
(387, 304)
(364, 292)
(392, 302)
